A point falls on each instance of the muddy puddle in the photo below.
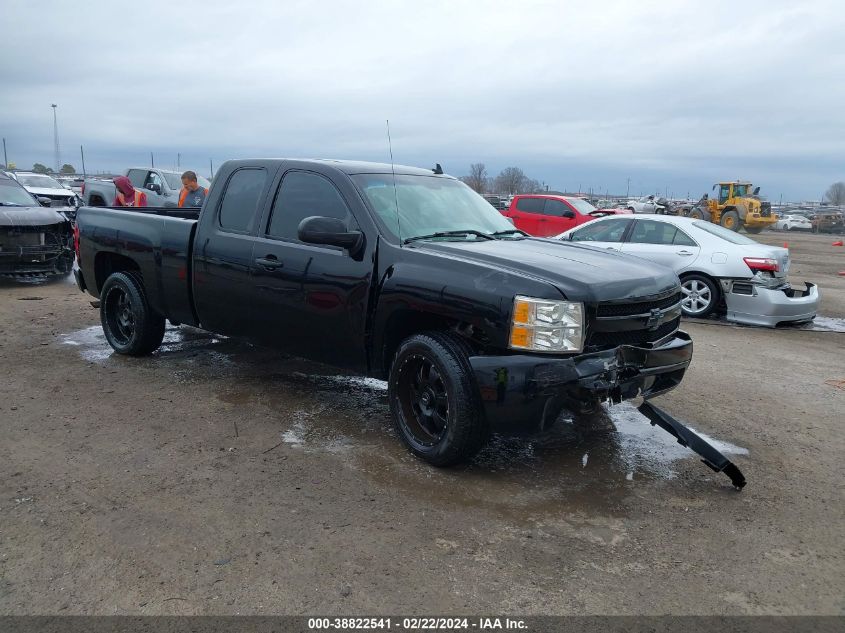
(594, 461)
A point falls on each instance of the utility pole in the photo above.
(5, 158)
(210, 168)
(56, 138)
(628, 187)
(152, 160)
(82, 154)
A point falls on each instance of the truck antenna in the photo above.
(395, 193)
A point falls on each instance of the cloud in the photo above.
(672, 95)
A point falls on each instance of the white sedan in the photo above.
(794, 223)
(719, 269)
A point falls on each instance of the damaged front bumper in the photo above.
(526, 392)
(756, 304)
(35, 251)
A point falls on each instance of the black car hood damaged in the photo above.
(29, 216)
(581, 273)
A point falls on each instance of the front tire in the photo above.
(130, 325)
(433, 399)
(730, 220)
(699, 296)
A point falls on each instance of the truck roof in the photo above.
(351, 167)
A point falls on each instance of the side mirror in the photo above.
(154, 187)
(44, 201)
(756, 191)
(330, 231)
(569, 214)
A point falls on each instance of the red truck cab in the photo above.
(545, 215)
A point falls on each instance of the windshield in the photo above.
(740, 191)
(174, 181)
(582, 206)
(44, 182)
(12, 194)
(725, 234)
(428, 205)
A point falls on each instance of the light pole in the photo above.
(56, 138)
(628, 187)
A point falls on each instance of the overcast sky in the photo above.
(673, 95)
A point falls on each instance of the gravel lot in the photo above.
(218, 478)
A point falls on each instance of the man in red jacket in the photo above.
(192, 194)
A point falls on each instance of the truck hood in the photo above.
(579, 272)
(29, 216)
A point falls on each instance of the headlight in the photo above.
(541, 325)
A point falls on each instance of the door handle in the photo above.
(684, 253)
(271, 262)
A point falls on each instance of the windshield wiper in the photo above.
(509, 232)
(486, 236)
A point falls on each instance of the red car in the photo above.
(544, 215)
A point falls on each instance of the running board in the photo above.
(711, 457)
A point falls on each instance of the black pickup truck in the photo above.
(407, 276)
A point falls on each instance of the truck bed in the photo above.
(157, 239)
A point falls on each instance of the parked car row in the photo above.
(820, 221)
(44, 186)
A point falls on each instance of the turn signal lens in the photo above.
(543, 325)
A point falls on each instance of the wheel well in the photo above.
(96, 200)
(107, 263)
(403, 324)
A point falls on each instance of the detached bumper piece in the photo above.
(755, 304)
(710, 456)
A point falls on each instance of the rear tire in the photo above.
(699, 296)
(434, 401)
(130, 325)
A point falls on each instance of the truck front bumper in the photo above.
(524, 392)
(758, 305)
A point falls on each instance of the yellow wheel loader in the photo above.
(736, 207)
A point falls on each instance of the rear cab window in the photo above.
(530, 205)
(239, 205)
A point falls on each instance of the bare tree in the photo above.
(511, 180)
(531, 186)
(836, 193)
(477, 178)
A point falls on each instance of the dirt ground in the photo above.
(218, 478)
